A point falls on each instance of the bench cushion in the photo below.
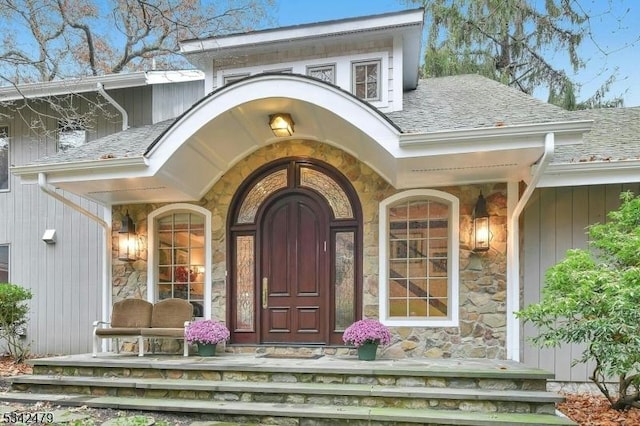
(163, 332)
(171, 313)
(118, 331)
(131, 313)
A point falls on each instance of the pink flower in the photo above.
(206, 331)
(366, 331)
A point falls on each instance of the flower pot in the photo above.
(367, 352)
(206, 349)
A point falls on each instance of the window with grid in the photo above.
(366, 80)
(421, 256)
(181, 258)
(323, 72)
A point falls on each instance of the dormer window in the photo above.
(323, 72)
(366, 80)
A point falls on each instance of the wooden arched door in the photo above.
(294, 271)
(294, 233)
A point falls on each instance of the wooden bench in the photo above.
(137, 318)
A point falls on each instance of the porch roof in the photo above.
(453, 130)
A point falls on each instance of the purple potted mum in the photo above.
(206, 334)
(366, 335)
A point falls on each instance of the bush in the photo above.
(592, 297)
(13, 319)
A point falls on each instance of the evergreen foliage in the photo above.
(592, 297)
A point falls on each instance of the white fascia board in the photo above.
(90, 84)
(491, 138)
(475, 134)
(306, 31)
(591, 173)
(88, 168)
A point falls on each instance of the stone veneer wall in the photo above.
(482, 329)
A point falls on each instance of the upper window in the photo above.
(324, 72)
(4, 263)
(71, 135)
(366, 80)
(4, 158)
(419, 259)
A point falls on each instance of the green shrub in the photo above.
(13, 319)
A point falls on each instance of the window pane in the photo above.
(245, 282)
(366, 81)
(345, 279)
(181, 258)
(4, 158)
(4, 264)
(325, 73)
(329, 189)
(267, 186)
(418, 259)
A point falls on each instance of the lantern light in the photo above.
(481, 228)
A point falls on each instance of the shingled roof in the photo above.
(615, 135)
(438, 104)
(468, 102)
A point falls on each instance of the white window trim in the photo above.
(453, 263)
(355, 64)
(152, 266)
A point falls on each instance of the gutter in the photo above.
(106, 234)
(116, 105)
(513, 247)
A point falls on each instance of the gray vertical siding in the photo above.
(66, 278)
(171, 100)
(555, 220)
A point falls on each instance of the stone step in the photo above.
(288, 392)
(278, 413)
(443, 373)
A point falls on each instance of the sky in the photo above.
(617, 33)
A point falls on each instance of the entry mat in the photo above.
(291, 356)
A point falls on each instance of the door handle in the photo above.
(265, 293)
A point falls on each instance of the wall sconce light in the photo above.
(127, 239)
(481, 230)
(281, 124)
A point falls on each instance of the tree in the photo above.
(592, 297)
(510, 41)
(47, 40)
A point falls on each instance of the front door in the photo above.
(294, 268)
(294, 271)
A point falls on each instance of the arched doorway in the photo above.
(294, 267)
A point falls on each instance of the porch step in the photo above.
(316, 393)
(303, 414)
(311, 392)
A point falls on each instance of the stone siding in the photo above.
(482, 329)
